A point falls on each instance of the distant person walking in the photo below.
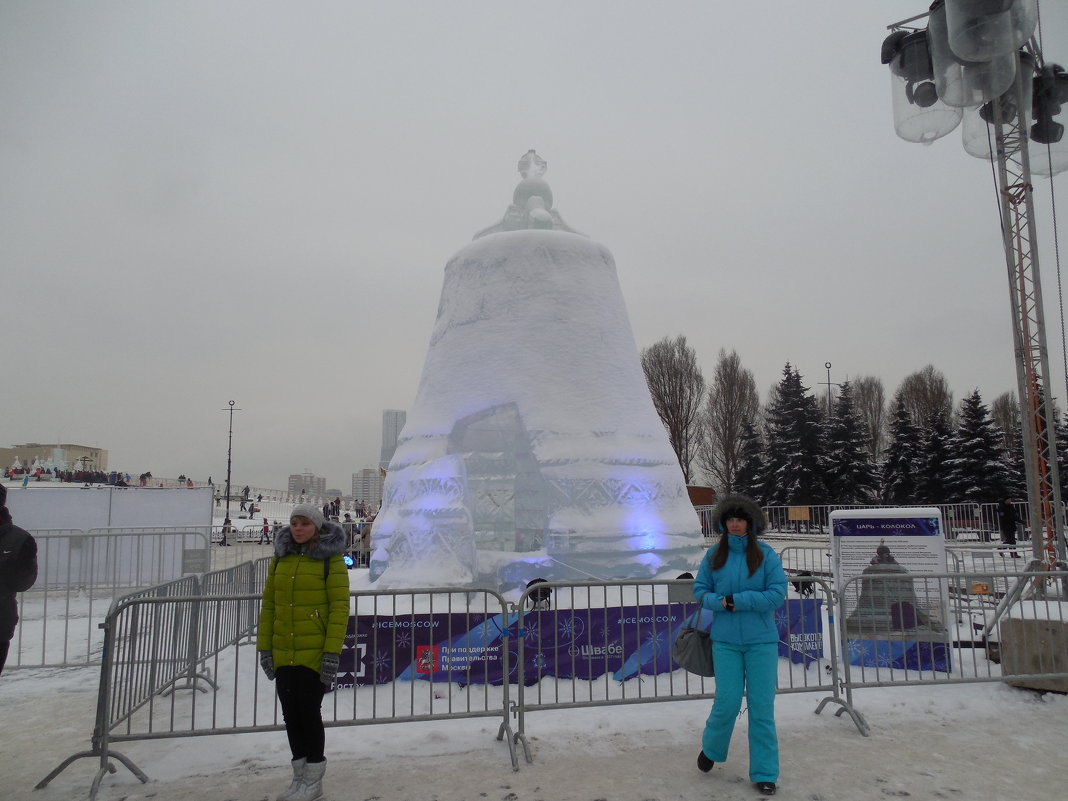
(303, 618)
(741, 579)
(18, 572)
(265, 535)
(1008, 521)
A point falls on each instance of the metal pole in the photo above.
(828, 366)
(229, 454)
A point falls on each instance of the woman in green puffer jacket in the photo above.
(303, 618)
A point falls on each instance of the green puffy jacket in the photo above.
(304, 615)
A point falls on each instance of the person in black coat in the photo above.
(18, 572)
(1007, 521)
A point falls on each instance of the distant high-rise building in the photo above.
(392, 424)
(367, 486)
(307, 484)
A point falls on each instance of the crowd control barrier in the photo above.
(609, 643)
(409, 656)
(182, 665)
(80, 574)
(950, 628)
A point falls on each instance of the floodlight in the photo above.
(1049, 93)
(965, 83)
(919, 116)
(977, 130)
(982, 30)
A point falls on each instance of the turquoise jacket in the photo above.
(755, 597)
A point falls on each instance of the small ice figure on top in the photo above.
(532, 201)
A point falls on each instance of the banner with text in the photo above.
(565, 643)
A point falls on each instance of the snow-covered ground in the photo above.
(984, 741)
(974, 741)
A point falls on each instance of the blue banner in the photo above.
(800, 625)
(565, 643)
(901, 654)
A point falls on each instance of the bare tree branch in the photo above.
(677, 389)
(732, 401)
(869, 398)
(926, 394)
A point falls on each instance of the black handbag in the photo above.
(692, 649)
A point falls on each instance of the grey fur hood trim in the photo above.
(331, 542)
(743, 502)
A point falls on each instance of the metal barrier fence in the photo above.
(149, 648)
(813, 560)
(425, 654)
(80, 574)
(963, 521)
(641, 621)
(942, 628)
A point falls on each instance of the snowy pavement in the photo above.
(983, 741)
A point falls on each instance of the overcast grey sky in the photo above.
(212, 200)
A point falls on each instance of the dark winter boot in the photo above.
(704, 764)
(298, 777)
(766, 788)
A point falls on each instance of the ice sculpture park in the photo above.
(532, 449)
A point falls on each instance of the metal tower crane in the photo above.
(932, 87)
(1028, 325)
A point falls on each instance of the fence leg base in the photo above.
(505, 729)
(521, 738)
(190, 684)
(105, 767)
(858, 719)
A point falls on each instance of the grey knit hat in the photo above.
(313, 513)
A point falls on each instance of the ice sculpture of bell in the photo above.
(532, 449)
(919, 115)
(888, 602)
(965, 83)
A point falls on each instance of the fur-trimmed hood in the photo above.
(746, 505)
(331, 542)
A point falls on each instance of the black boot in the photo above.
(704, 764)
(765, 788)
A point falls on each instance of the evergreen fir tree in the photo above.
(901, 455)
(749, 480)
(793, 469)
(1014, 464)
(977, 471)
(932, 480)
(1062, 459)
(848, 469)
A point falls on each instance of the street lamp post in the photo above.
(829, 384)
(229, 454)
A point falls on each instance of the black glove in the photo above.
(267, 663)
(728, 603)
(328, 668)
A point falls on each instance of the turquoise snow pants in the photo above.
(751, 669)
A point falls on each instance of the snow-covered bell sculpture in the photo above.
(532, 449)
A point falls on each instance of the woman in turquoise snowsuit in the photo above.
(741, 579)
